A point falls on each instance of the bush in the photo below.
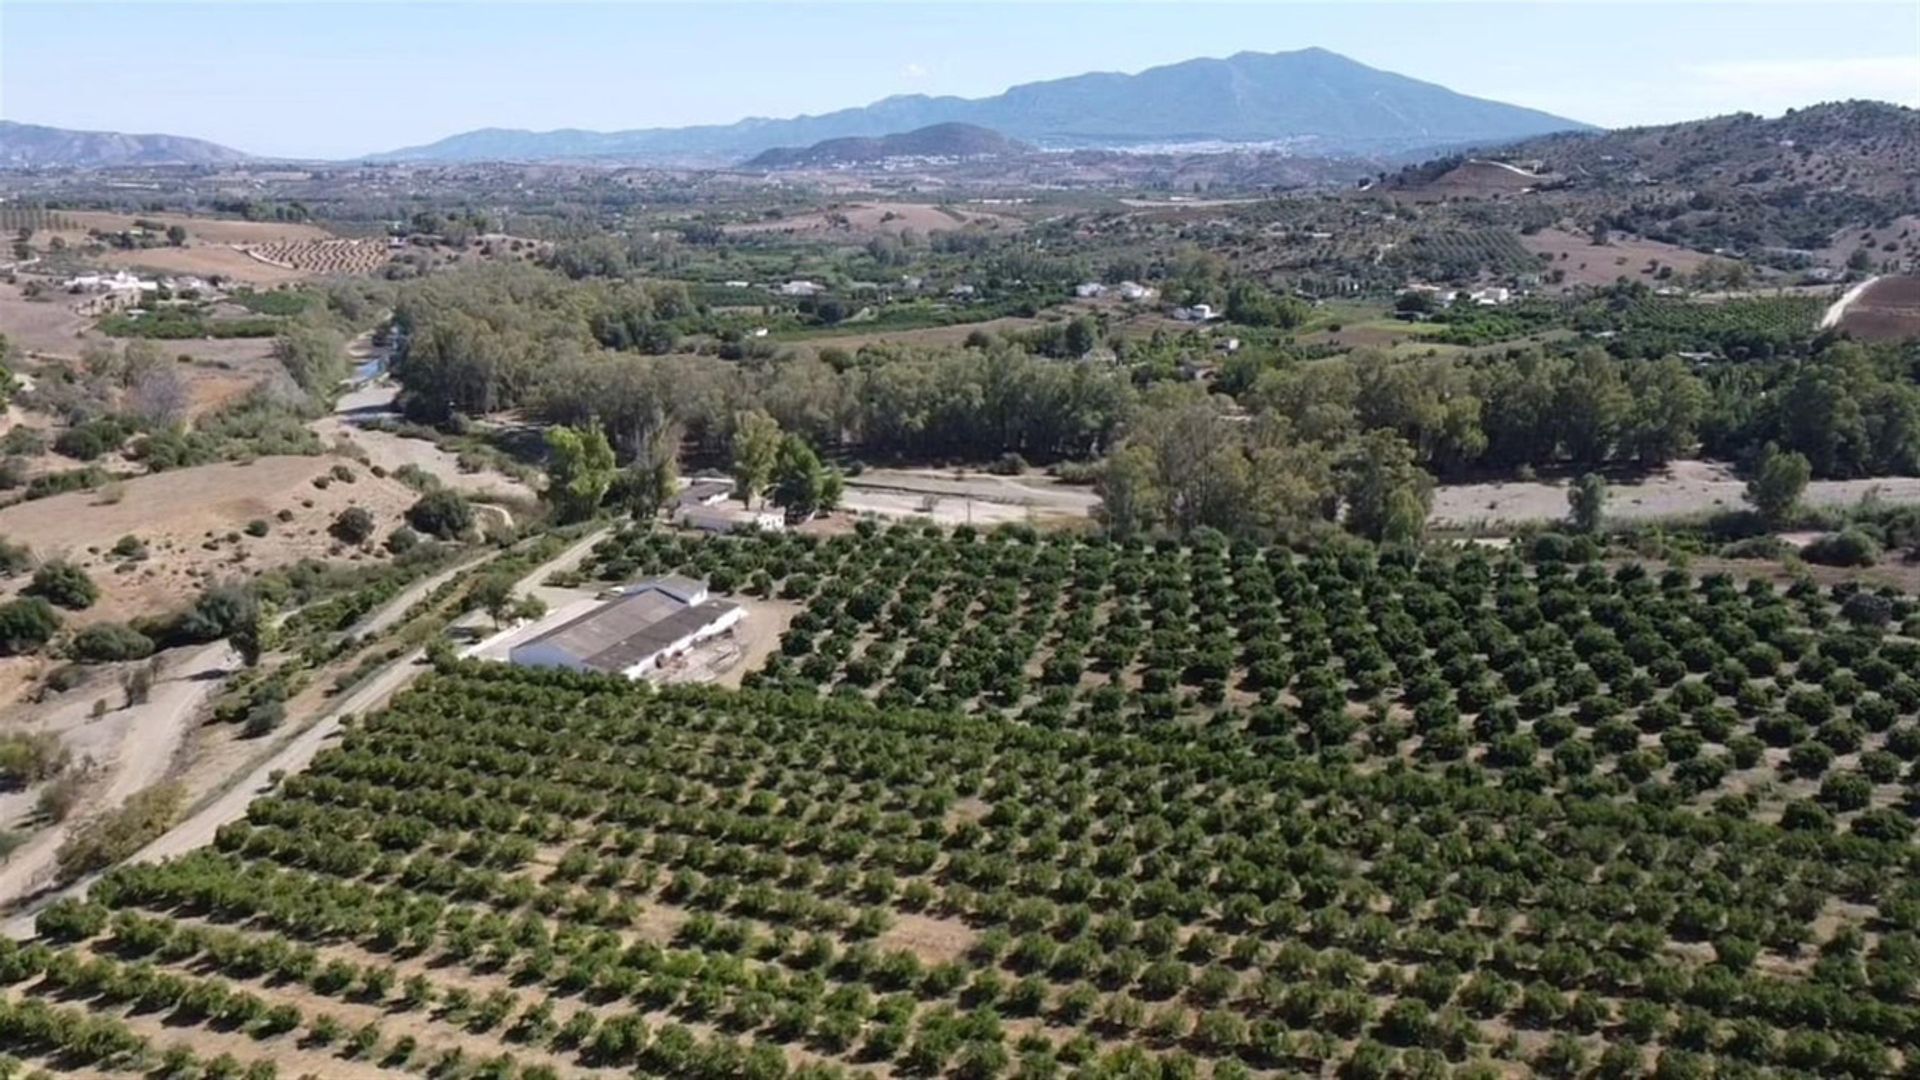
(442, 513)
(87, 441)
(258, 527)
(354, 525)
(1008, 464)
(107, 642)
(402, 540)
(26, 624)
(1848, 547)
(14, 558)
(117, 834)
(63, 583)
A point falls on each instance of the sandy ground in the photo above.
(1686, 488)
(186, 516)
(390, 451)
(1622, 255)
(1031, 491)
(134, 747)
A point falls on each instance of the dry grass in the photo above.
(205, 230)
(185, 518)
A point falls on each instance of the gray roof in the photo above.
(679, 586)
(699, 491)
(624, 632)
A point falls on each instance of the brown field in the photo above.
(48, 326)
(870, 218)
(1889, 310)
(205, 230)
(185, 518)
(1623, 256)
(204, 260)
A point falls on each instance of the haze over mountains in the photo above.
(32, 145)
(1312, 100)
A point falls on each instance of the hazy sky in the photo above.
(336, 79)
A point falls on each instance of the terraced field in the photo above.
(333, 256)
(1478, 817)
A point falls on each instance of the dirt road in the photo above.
(150, 736)
(374, 401)
(1683, 489)
(975, 498)
(198, 829)
(1839, 307)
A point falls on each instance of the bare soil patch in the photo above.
(208, 230)
(1622, 256)
(1888, 310)
(192, 522)
(207, 261)
(49, 326)
(1685, 488)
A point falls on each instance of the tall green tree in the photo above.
(1587, 503)
(756, 450)
(1129, 488)
(800, 481)
(1777, 484)
(1386, 492)
(580, 469)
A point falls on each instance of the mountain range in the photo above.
(1311, 101)
(31, 146)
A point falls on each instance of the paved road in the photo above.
(153, 734)
(199, 829)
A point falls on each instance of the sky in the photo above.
(350, 77)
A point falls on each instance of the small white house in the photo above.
(724, 518)
(1089, 290)
(801, 288)
(1196, 313)
(1133, 290)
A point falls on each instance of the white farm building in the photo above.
(633, 633)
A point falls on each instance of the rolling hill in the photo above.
(938, 141)
(1786, 188)
(1311, 101)
(35, 146)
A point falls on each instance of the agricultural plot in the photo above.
(529, 873)
(331, 256)
(1887, 310)
(1464, 254)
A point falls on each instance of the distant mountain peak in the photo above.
(38, 146)
(1312, 99)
